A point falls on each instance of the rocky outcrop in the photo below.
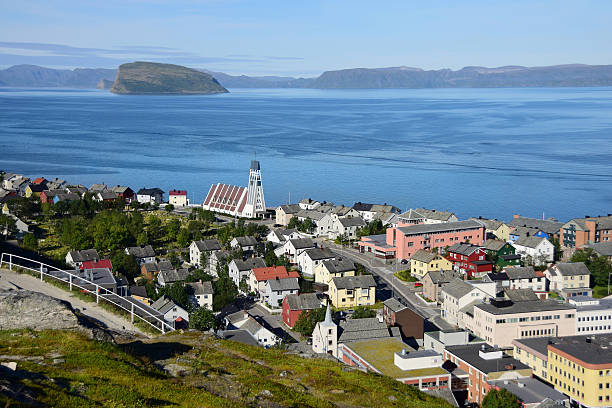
(24, 309)
(142, 78)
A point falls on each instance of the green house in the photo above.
(501, 253)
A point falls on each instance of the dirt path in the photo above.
(13, 280)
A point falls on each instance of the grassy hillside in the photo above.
(154, 78)
(65, 369)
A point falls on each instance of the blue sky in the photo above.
(307, 37)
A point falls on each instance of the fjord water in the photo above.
(489, 152)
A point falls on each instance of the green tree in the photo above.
(154, 227)
(7, 225)
(142, 239)
(30, 242)
(307, 321)
(202, 319)
(204, 257)
(363, 312)
(169, 208)
(174, 259)
(179, 293)
(74, 233)
(283, 261)
(270, 257)
(307, 226)
(294, 223)
(225, 290)
(199, 275)
(125, 264)
(599, 266)
(172, 229)
(499, 399)
(183, 238)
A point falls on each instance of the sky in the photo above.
(307, 37)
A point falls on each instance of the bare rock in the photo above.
(24, 309)
(11, 365)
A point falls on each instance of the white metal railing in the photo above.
(100, 292)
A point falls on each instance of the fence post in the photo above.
(10, 262)
(97, 294)
(132, 312)
(41, 272)
(163, 327)
(70, 276)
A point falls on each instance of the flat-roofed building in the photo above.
(593, 316)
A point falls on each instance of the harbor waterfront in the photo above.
(488, 152)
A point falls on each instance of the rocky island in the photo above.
(153, 78)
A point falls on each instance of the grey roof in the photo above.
(208, 245)
(394, 305)
(165, 265)
(98, 187)
(141, 252)
(84, 255)
(317, 254)
(590, 349)
(547, 226)
(469, 308)
(361, 329)
(602, 248)
(150, 191)
(251, 325)
(463, 249)
(304, 301)
(240, 336)
(520, 272)
(163, 304)
(201, 288)
(353, 282)
(101, 276)
(521, 295)
(570, 269)
(602, 304)
(138, 291)
(529, 241)
(423, 256)
(419, 229)
(470, 353)
(443, 276)
(151, 267)
(245, 241)
(526, 307)
(339, 265)
(68, 196)
(314, 215)
(171, 276)
(107, 195)
(249, 263)
(421, 213)
(277, 285)
(120, 189)
(457, 288)
(291, 208)
(359, 206)
(489, 224)
(302, 243)
(494, 244)
(352, 222)
(237, 317)
(529, 390)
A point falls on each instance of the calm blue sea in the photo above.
(489, 152)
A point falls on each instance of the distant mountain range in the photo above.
(355, 78)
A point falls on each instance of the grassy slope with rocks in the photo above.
(155, 78)
(191, 369)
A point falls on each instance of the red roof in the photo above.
(102, 263)
(540, 274)
(39, 180)
(178, 192)
(274, 272)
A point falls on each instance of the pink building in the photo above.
(405, 241)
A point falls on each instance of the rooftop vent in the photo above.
(521, 385)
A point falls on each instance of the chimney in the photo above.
(403, 352)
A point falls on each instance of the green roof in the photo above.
(380, 353)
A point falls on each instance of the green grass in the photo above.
(405, 276)
(223, 374)
(600, 291)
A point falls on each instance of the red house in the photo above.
(124, 192)
(102, 263)
(295, 305)
(469, 259)
(40, 181)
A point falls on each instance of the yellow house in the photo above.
(578, 366)
(352, 291)
(334, 268)
(423, 262)
(34, 190)
(497, 228)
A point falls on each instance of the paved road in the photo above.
(391, 286)
(13, 280)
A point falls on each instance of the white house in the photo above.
(178, 198)
(239, 269)
(202, 294)
(346, 227)
(280, 236)
(426, 216)
(170, 276)
(323, 221)
(309, 259)
(569, 279)
(76, 258)
(259, 277)
(143, 255)
(247, 244)
(275, 290)
(150, 195)
(243, 321)
(284, 213)
(294, 247)
(370, 212)
(197, 248)
(308, 204)
(525, 278)
(170, 310)
(593, 316)
(325, 336)
(540, 250)
(458, 294)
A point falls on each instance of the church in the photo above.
(245, 202)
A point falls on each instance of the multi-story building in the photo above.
(495, 229)
(352, 291)
(579, 232)
(547, 228)
(469, 259)
(535, 250)
(396, 314)
(477, 364)
(284, 213)
(425, 216)
(458, 294)
(569, 279)
(527, 278)
(178, 198)
(502, 253)
(334, 268)
(502, 320)
(424, 261)
(434, 280)
(593, 316)
(404, 242)
(309, 259)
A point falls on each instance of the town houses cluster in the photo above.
(452, 306)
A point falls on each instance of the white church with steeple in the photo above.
(246, 202)
(325, 336)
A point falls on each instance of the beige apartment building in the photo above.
(503, 320)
